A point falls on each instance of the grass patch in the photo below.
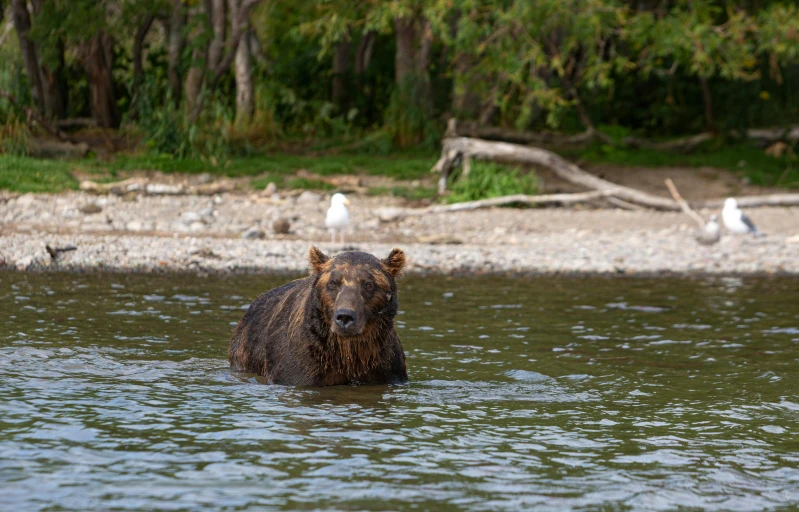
(400, 165)
(311, 184)
(743, 159)
(23, 174)
(263, 181)
(491, 180)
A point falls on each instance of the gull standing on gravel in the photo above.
(338, 216)
(736, 221)
(711, 233)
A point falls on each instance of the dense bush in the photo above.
(339, 70)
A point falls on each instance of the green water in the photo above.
(545, 394)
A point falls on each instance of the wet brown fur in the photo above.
(289, 337)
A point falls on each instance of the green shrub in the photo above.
(300, 183)
(491, 180)
(14, 137)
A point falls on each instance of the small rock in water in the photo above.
(253, 233)
(281, 226)
(308, 197)
(90, 209)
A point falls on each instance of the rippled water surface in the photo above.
(528, 393)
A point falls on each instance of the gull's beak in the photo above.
(346, 201)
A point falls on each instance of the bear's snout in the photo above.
(346, 318)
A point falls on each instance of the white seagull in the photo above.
(711, 233)
(338, 216)
(735, 220)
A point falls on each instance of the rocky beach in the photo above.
(270, 232)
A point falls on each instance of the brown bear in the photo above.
(335, 326)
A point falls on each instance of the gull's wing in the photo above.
(751, 225)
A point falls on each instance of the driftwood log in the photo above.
(456, 150)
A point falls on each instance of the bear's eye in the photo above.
(332, 285)
(368, 287)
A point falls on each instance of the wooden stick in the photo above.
(581, 197)
(680, 201)
(503, 152)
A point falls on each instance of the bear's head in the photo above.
(357, 292)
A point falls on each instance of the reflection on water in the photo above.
(530, 393)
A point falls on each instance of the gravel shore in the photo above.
(232, 233)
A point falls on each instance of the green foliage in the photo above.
(650, 68)
(408, 120)
(22, 174)
(307, 183)
(14, 137)
(168, 131)
(491, 180)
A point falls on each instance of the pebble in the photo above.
(497, 240)
(190, 217)
(253, 233)
(308, 197)
(281, 226)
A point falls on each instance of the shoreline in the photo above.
(211, 235)
(207, 256)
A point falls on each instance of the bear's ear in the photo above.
(317, 259)
(395, 262)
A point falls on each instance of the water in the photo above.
(525, 394)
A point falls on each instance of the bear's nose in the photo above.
(345, 318)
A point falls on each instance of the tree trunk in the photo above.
(414, 41)
(30, 54)
(99, 66)
(707, 98)
(363, 54)
(239, 24)
(465, 101)
(175, 48)
(245, 97)
(138, 51)
(54, 86)
(197, 65)
(194, 78)
(218, 16)
(341, 64)
(403, 60)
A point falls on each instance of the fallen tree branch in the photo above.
(680, 201)
(513, 153)
(456, 149)
(580, 197)
(753, 201)
(392, 213)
